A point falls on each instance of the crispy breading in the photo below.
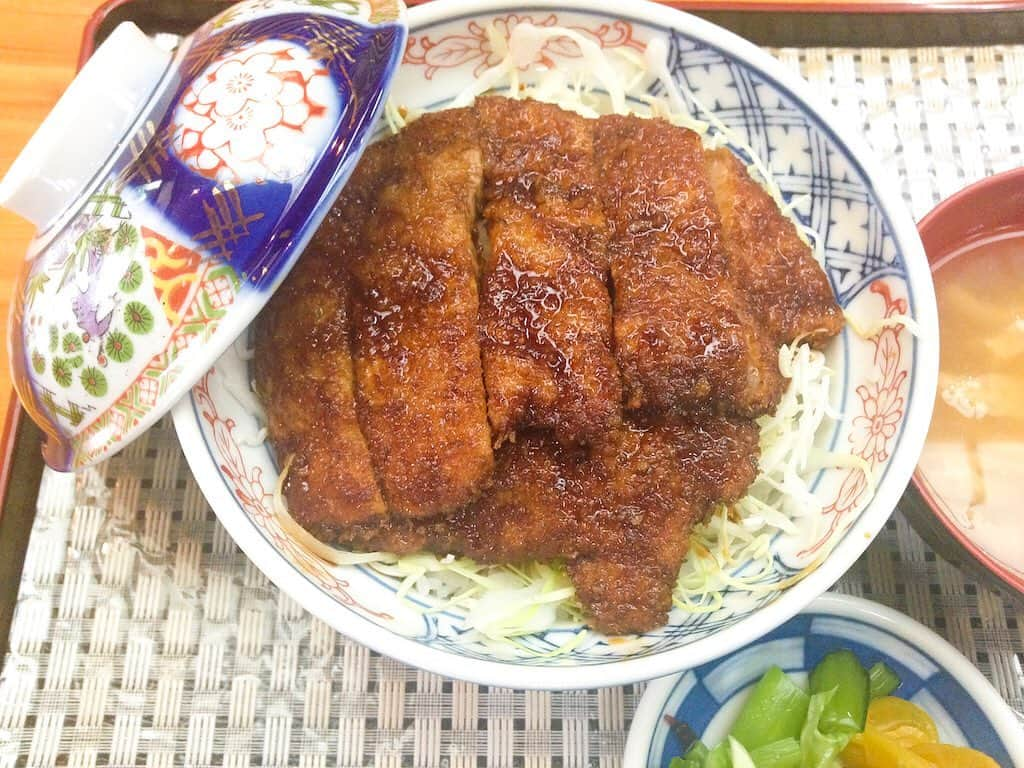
(545, 312)
(420, 389)
(303, 371)
(707, 278)
(619, 512)
(684, 338)
(786, 287)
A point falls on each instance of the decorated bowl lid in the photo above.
(172, 193)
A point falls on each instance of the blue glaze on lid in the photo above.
(201, 211)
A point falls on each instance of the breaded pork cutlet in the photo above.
(619, 513)
(685, 339)
(303, 371)
(707, 277)
(786, 287)
(545, 313)
(420, 389)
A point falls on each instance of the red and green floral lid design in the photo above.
(249, 136)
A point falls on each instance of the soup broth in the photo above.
(973, 460)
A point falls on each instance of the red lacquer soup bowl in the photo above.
(969, 480)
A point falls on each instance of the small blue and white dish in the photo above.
(965, 707)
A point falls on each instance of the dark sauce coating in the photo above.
(414, 320)
(545, 313)
(303, 373)
(787, 289)
(684, 338)
(619, 513)
(614, 498)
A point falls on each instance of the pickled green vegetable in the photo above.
(883, 681)
(783, 726)
(847, 709)
(776, 710)
(784, 753)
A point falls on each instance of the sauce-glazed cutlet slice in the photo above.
(786, 287)
(619, 512)
(684, 338)
(304, 376)
(420, 389)
(667, 477)
(545, 312)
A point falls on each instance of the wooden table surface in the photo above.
(39, 44)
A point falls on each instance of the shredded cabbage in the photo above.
(732, 550)
(780, 499)
(877, 326)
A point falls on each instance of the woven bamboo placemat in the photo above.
(144, 636)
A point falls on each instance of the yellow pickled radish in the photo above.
(949, 756)
(901, 721)
(854, 756)
(871, 749)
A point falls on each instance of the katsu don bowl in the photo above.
(614, 353)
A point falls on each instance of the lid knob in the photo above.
(85, 127)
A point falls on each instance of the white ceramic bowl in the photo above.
(967, 710)
(884, 388)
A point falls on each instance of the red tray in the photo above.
(836, 6)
